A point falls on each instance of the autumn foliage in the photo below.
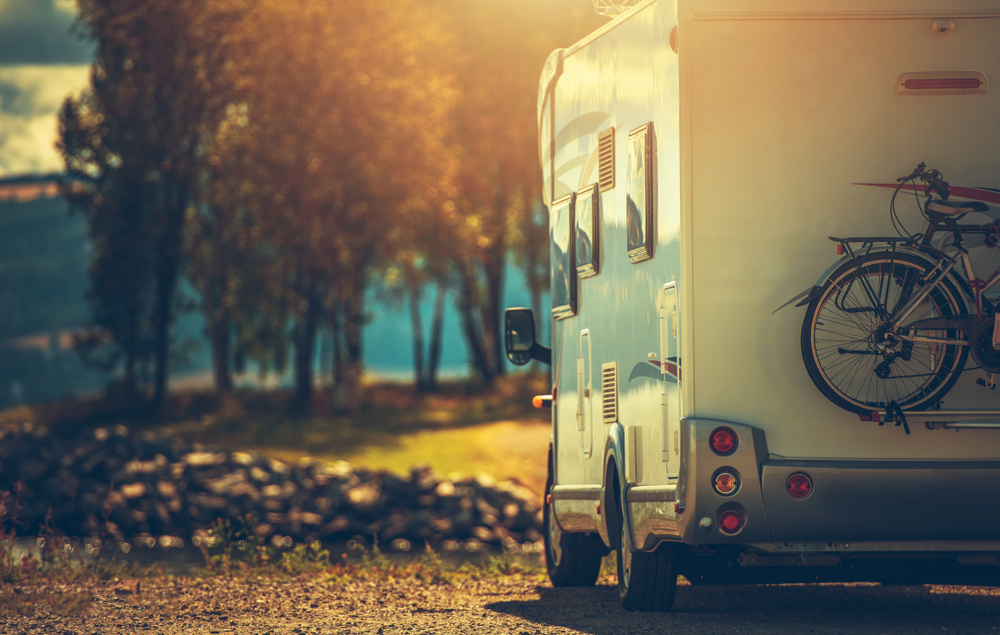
(281, 157)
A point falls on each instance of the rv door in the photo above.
(670, 370)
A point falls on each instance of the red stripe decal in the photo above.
(671, 367)
(971, 193)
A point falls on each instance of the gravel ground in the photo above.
(519, 605)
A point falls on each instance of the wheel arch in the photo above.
(612, 484)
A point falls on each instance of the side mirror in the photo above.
(519, 338)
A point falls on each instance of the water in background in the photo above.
(43, 278)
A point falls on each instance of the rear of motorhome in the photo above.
(697, 156)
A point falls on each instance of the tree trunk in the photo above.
(337, 357)
(494, 267)
(221, 323)
(473, 337)
(416, 327)
(305, 343)
(492, 330)
(353, 305)
(437, 329)
(217, 317)
(168, 256)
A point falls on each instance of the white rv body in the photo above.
(765, 118)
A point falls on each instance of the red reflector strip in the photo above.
(942, 83)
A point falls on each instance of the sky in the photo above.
(40, 64)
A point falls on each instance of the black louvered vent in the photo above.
(606, 159)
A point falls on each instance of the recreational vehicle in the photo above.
(698, 155)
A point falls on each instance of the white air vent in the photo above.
(606, 160)
(609, 392)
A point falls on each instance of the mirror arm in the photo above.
(541, 353)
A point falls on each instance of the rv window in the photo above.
(563, 270)
(639, 193)
(587, 231)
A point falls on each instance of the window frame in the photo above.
(567, 308)
(592, 194)
(642, 135)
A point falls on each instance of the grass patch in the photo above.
(458, 429)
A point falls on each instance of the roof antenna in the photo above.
(613, 8)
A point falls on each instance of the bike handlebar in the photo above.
(932, 178)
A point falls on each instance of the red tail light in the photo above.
(731, 522)
(723, 441)
(799, 486)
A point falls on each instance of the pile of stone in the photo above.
(114, 482)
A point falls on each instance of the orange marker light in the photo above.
(542, 401)
(726, 483)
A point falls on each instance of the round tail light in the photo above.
(723, 441)
(725, 483)
(731, 522)
(799, 486)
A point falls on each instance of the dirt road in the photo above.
(515, 605)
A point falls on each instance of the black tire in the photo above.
(566, 566)
(647, 581)
(842, 331)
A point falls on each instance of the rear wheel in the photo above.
(568, 565)
(853, 357)
(646, 581)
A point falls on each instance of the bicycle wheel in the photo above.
(852, 356)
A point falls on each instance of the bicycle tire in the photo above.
(841, 333)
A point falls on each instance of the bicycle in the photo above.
(891, 328)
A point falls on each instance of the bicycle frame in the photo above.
(945, 265)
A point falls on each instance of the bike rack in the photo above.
(951, 419)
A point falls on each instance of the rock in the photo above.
(309, 518)
(166, 489)
(241, 458)
(164, 486)
(271, 491)
(224, 484)
(364, 496)
(198, 459)
(133, 490)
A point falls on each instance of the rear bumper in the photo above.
(906, 506)
(882, 500)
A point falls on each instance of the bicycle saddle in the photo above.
(953, 208)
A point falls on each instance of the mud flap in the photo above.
(803, 298)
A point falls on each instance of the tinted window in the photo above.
(563, 269)
(587, 231)
(639, 194)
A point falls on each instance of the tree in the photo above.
(504, 47)
(159, 88)
(364, 147)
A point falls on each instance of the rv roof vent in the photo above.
(611, 8)
(609, 392)
(606, 159)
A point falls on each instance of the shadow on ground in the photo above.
(772, 609)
